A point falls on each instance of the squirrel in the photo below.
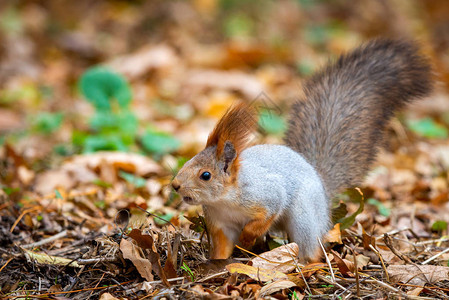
(335, 129)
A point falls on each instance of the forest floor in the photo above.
(87, 154)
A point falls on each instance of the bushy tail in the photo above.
(339, 122)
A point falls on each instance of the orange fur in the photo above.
(255, 228)
(235, 126)
(221, 246)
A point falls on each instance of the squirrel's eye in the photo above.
(205, 176)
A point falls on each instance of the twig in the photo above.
(213, 276)
(308, 290)
(7, 262)
(381, 261)
(20, 217)
(387, 241)
(156, 216)
(356, 270)
(327, 260)
(90, 261)
(328, 281)
(435, 256)
(47, 240)
(374, 281)
(440, 240)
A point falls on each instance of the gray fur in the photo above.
(339, 123)
(278, 178)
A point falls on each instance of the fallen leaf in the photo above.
(82, 169)
(345, 266)
(143, 265)
(276, 286)
(145, 241)
(334, 235)
(362, 260)
(417, 274)
(140, 63)
(415, 291)
(107, 296)
(255, 273)
(247, 84)
(43, 258)
(279, 259)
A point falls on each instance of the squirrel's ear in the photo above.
(228, 155)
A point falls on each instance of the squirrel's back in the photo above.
(338, 123)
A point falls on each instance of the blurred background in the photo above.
(153, 76)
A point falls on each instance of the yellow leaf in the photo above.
(258, 274)
(43, 258)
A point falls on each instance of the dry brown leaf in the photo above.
(415, 291)
(143, 265)
(130, 162)
(334, 235)
(82, 169)
(344, 266)
(362, 260)
(258, 274)
(107, 296)
(276, 287)
(247, 84)
(417, 274)
(279, 259)
(145, 241)
(140, 63)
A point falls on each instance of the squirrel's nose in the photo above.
(175, 184)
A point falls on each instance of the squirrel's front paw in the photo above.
(247, 240)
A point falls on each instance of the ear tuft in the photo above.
(234, 127)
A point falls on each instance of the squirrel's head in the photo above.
(211, 174)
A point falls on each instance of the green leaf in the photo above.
(124, 122)
(58, 195)
(271, 122)
(48, 123)
(238, 25)
(383, 210)
(9, 191)
(100, 142)
(163, 219)
(159, 142)
(428, 128)
(100, 86)
(136, 181)
(439, 226)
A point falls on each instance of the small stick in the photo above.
(381, 261)
(47, 240)
(435, 256)
(387, 241)
(357, 279)
(308, 290)
(213, 276)
(89, 261)
(20, 217)
(327, 260)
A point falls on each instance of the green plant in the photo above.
(114, 126)
(47, 123)
(428, 128)
(186, 268)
